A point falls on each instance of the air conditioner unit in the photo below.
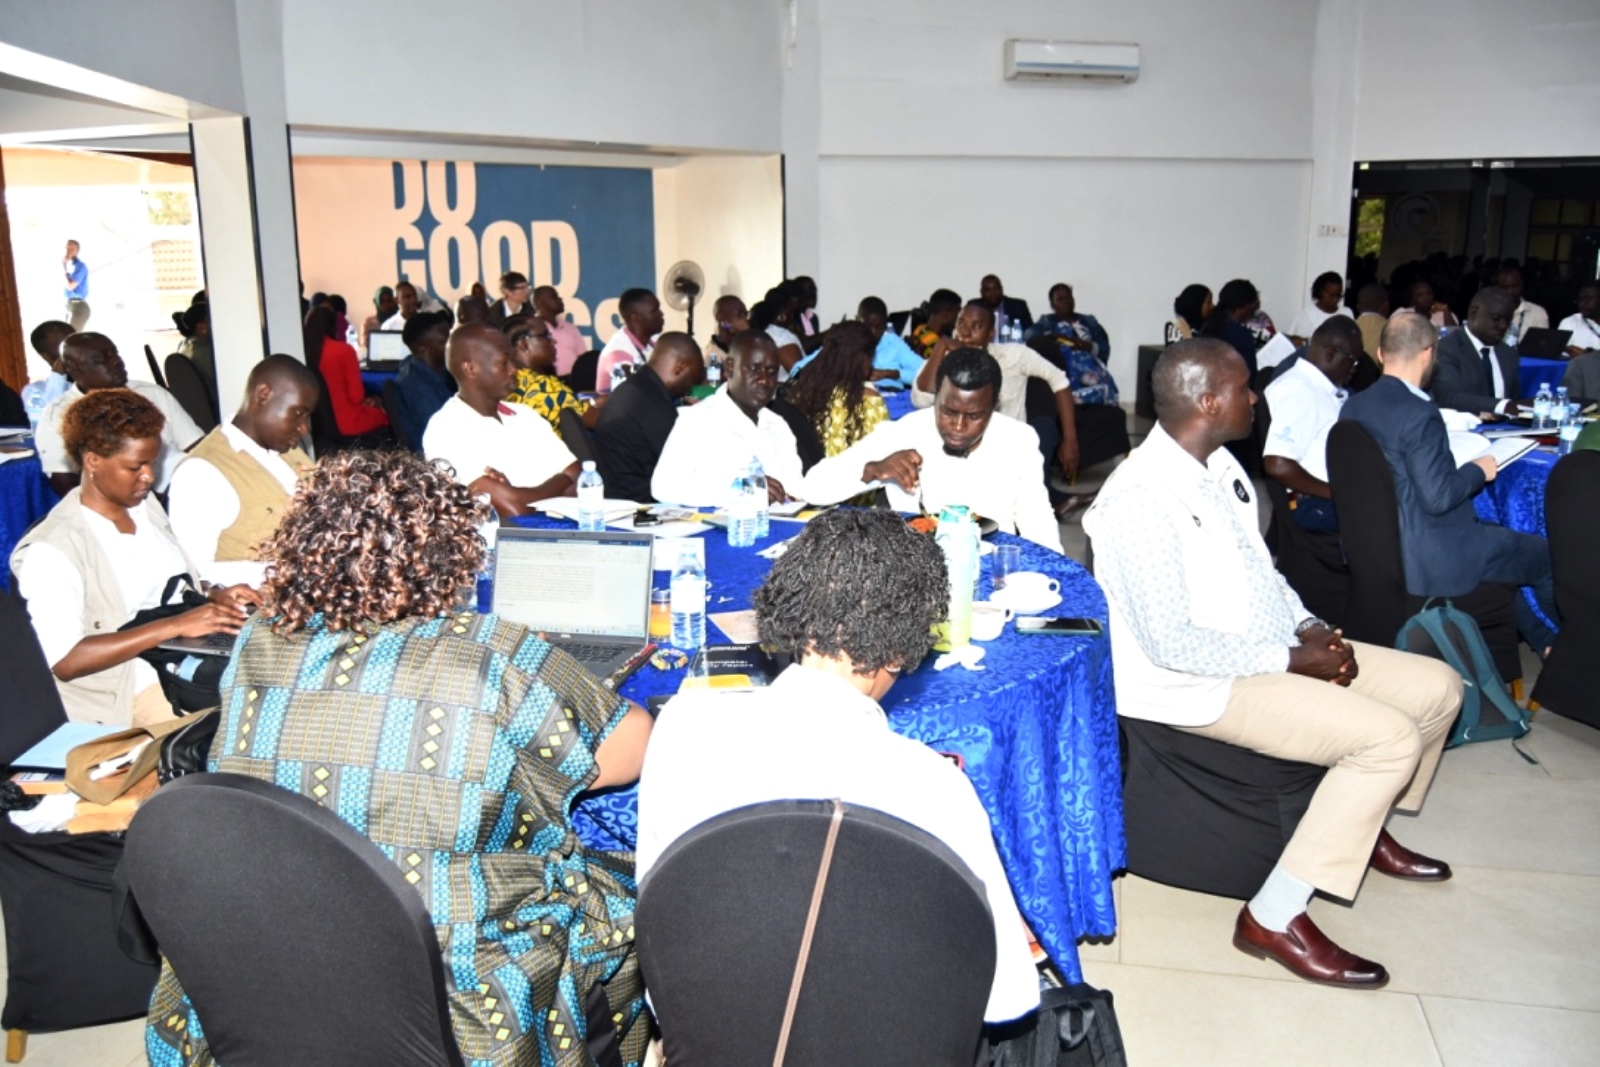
(1081, 61)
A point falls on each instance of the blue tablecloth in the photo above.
(372, 380)
(1037, 729)
(25, 497)
(1515, 499)
(898, 403)
(1532, 373)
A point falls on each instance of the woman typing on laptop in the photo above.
(104, 556)
(457, 742)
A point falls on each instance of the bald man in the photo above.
(506, 451)
(635, 423)
(1207, 637)
(230, 492)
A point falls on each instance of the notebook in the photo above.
(588, 593)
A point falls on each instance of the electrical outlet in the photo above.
(1332, 229)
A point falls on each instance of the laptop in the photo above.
(386, 346)
(1540, 343)
(588, 593)
(209, 645)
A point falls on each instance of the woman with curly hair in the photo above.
(105, 553)
(457, 742)
(853, 601)
(833, 392)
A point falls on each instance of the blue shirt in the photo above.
(79, 277)
(36, 396)
(892, 354)
(419, 392)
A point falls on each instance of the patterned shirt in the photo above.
(455, 744)
(834, 430)
(923, 340)
(546, 394)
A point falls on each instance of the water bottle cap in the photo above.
(588, 464)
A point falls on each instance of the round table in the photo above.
(1037, 730)
(898, 401)
(373, 380)
(1515, 499)
(1532, 373)
(25, 498)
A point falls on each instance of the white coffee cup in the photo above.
(1030, 586)
(989, 620)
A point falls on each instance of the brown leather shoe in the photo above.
(1394, 859)
(1306, 951)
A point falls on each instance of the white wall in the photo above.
(1447, 79)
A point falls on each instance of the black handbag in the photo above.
(1076, 1027)
(187, 750)
(190, 682)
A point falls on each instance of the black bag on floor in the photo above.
(1076, 1027)
(190, 682)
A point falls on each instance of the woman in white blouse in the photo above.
(102, 555)
(776, 316)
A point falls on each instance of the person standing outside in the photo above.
(77, 291)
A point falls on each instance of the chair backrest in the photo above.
(33, 704)
(1369, 529)
(1572, 518)
(575, 435)
(580, 379)
(189, 389)
(295, 938)
(391, 408)
(807, 444)
(325, 435)
(901, 962)
(155, 368)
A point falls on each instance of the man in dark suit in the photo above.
(1445, 550)
(1473, 371)
(1007, 309)
(514, 292)
(636, 422)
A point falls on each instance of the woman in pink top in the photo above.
(354, 412)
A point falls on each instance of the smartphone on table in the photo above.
(1036, 624)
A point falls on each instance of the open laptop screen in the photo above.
(386, 346)
(567, 582)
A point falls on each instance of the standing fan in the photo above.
(682, 286)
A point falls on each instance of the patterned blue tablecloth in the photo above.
(372, 380)
(1516, 499)
(25, 497)
(898, 403)
(1532, 373)
(1037, 729)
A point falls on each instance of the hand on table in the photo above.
(776, 493)
(903, 468)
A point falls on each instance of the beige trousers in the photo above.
(1380, 739)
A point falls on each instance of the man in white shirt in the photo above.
(630, 346)
(409, 301)
(1584, 324)
(230, 492)
(507, 451)
(714, 441)
(1305, 401)
(1207, 637)
(825, 604)
(1527, 315)
(962, 451)
(92, 362)
(1327, 300)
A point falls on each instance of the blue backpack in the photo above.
(1487, 711)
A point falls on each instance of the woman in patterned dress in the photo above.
(1082, 348)
(457, 742)
(833, 392)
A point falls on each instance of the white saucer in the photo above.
(1025, 607)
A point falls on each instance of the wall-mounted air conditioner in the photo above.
(1067, 61)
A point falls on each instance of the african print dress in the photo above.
(458, 746)
(835, 430)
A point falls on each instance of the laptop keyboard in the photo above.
(590, 653)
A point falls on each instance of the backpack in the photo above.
(1446, 632)
(1076, 1026)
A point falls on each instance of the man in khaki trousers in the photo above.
(1207, 637)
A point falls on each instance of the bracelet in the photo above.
(1310, 624)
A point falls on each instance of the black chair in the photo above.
(295, 938)
(580, 379)
(155, 368)
(1204, 815)
(63, 966)
(391, 408)
(575, 435)
(901, 962)
(191, 392)
(807, 444)
(325, 435)
(1369, 530)
(1569, 682)
(1311, 561)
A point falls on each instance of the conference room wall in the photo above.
(1128, 235)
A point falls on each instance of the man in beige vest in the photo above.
(231, 490)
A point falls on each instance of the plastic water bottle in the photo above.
(1569, 426)
(957, 538)
(688, 603)
(33, 402)
(714, 368)
(741, 513)
(489, 530)
(1542, 407)
(1562, 400)
(758, 488)
(591, 499)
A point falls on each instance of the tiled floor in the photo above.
(1497, 967)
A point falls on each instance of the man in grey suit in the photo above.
(1474, 372)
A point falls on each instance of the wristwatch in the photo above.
(1310, 624)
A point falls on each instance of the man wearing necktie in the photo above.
(1475, 372)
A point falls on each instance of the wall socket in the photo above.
(1333, 229)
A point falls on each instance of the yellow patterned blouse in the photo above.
(835, 428)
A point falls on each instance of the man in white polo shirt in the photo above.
(1305, 400)
(506, 451)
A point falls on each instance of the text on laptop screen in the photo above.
(386, 345)
(596, 586)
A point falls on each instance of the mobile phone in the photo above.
(645, 518)
(1035, 624)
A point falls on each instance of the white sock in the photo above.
(1281, 897)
